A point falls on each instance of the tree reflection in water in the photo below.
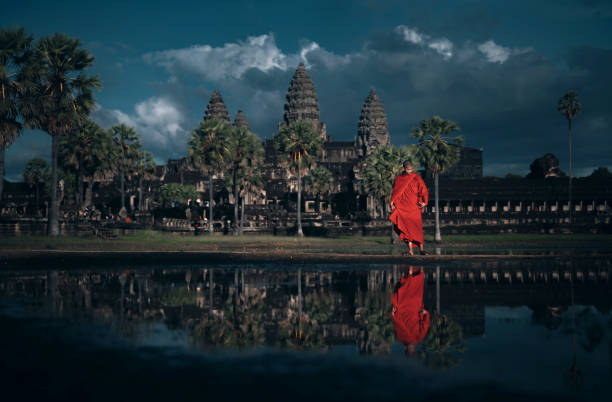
(444, 340)
(247, 307)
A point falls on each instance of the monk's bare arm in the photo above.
(423, 194)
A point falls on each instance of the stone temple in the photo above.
(216, 108)
(344, 159)
(372, 130)
(241, 121)
(302, 103)
(274, 207)
(468, 201)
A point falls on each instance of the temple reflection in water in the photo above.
(308, 308)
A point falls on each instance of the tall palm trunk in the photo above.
(210, 203)
(122, 189)
(242, 215)
(236, 229)
(300, 233)
(36, 185)
(89, 192)
(1, 171)
(80, 182)
(569, 141)
(52, 223)
(438, 237)
(140, 192)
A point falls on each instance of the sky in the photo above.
(496, 68)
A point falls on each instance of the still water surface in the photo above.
(533, 329)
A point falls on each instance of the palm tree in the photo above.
(319, 181)
(246, 154)
(382, 166)
(569, 106)
(85, 152)
(208, 151)
(250, 173)
(145, 170)
(36, 171)
(299, 147)
(252, 183)
(437, 152)
(126, 153)
(58, 98)
(15, 49)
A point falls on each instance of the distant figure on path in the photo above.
(408, 199)
(410, 319)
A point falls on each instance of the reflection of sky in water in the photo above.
(516, 351)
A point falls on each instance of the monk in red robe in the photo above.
(410, 319)
(408, 199)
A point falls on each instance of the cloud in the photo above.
(503, 97)
(410, 35)
(494, 52)
(442, 46)
(231, 60)
(161, 124)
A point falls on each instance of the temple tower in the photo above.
(241, 121)
(372, 130)
(302, 103)
(216, 109)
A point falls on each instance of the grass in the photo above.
(506, 243)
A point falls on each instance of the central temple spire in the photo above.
(216, 108)
(302, 103)
(372, 130)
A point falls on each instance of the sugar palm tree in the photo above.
(58, 98)
(145, 170)
(15, 49)
(246, 153)
(299, 147)
(126, 149)
(437, 151)
(319, 181)
(208, 151)
(253, 182)
(36, 172)
(569, 106)
(251, 174)
(85, 152)
(382, 166)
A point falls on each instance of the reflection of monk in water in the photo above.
(410, 319)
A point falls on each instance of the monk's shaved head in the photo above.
(407, 163)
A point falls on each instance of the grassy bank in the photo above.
(453, 244)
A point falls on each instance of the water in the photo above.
(529, 329)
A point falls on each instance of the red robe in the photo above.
(408, 191)
(410, 320)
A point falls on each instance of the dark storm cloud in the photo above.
(508, 108)
(504, 98)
